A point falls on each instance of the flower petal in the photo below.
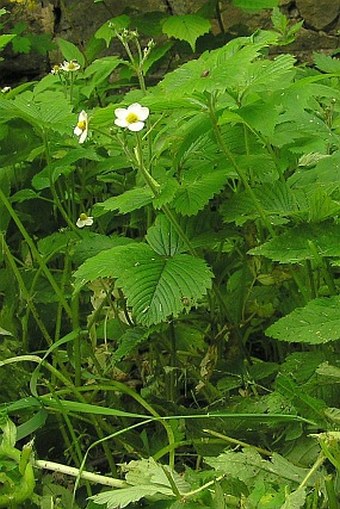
(142, 112)
(82, 116)
(121, 112)
(121, 122)
(80, 223)
(78, 131)
(83, 136)
(136, 126)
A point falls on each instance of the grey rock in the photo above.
(319, 14)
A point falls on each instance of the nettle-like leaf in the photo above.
(305, 242)
(326, 63)
(318, 322)
(219, 69)
(47, 110)
(199, 184)
(155, 286)
(188, 27)
(276, 200)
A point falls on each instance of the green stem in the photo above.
(25, 293)
(118, 386)
(319, 461)
(331, 495)
(77, 341)
(96, 421)
(324, 268)
(173, 364)
(53, 188)
(234, 441)
(228, 154)
(155, 188)
(35, 252)
(312, 287)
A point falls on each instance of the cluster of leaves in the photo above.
(202, 304)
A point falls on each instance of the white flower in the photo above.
(82, 127)
(70, 66)
(4, 90)
(132, 117)
(84, 220)
(56, 69)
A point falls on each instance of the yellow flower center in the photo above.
(131, 118)
(71, 65)
(82, 125)
(83, 216)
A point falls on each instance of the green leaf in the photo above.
(326, 63)
(294, 245)
(155, 286)
(249, 467)
(35, 422)
(255, 5)
(316, 323)
(5, 39)
(311, 407)
(107, 30)
(156, 54)
(128, 342)
(131, 200)
(99, 71)
(21, 44)
(123, 497)
(24, 195)
(277, 201)
(188, 27)
(70, 51)
(163, 238)
(147, 471)
(49, 110)
(199, 184)
(63, 166)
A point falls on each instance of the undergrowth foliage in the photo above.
(169, 278)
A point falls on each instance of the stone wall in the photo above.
(77, 20)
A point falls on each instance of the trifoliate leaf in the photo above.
(318, 322)
(188, 27)
(155, 286)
